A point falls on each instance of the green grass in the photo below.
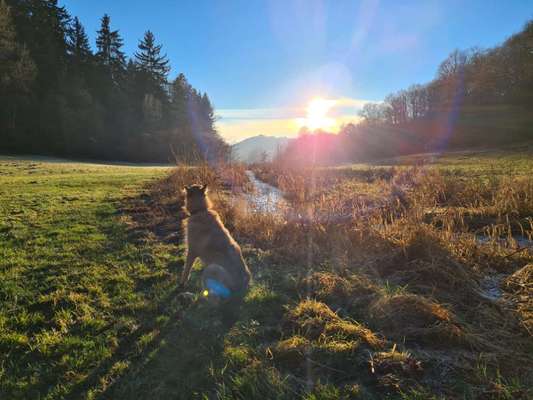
(472, 164)
(73, 288)
(88, 299)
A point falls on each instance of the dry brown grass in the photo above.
(352, 291)
(394, 249)
(409, 235)
(520, 286)
(315, 320)
(416, 319)
(315, 337)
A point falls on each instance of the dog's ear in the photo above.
(204, 188)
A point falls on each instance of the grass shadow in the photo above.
(178, 339)
(179, 363)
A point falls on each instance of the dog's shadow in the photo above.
(182, 361)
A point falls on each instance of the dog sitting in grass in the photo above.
(225, 273)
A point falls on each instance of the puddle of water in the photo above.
(521, 241)
(491, 286)
(265, 198)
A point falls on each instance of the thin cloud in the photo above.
(259, 113)
(235, 124)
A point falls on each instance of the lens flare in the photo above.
(317, 114)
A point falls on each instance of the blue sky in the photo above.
(261, 62)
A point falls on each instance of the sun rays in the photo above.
(317, 115)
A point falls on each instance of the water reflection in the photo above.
(265, 198)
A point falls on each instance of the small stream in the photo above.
(265, 198)
(490, 286)
(519, 240)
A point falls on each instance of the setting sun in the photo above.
(317, 114)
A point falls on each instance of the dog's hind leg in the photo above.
(217, 276)
(191, 256)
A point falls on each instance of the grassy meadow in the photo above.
(73, 284)
(405, 279)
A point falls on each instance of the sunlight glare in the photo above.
(317, 111)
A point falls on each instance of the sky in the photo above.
(270, 67)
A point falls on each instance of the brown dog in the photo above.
(225, 270)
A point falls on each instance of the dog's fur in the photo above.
(209, 240)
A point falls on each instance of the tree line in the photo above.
(478, 98)
(59, 97)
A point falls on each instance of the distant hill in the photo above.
(252, 149)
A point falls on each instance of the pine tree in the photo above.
(219, 150)
(109, 44)
(17, 72)
(86, 104)
(103, 41)
(179, 95)
(8, 44)
(78, 43)
(150, 61)
(208, 113)
(42, 26)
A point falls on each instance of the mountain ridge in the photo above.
(255, 148)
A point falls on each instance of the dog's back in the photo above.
(208, 239)
(213, 243)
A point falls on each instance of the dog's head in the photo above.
(195, 190)
(196, 198)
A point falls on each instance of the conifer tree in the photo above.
(7, 33)
(78, 43)
(17, 70)
(150, 60)
(109, 44)
(103, 41)
(179, 95)
(96, 105)
(208, 113)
